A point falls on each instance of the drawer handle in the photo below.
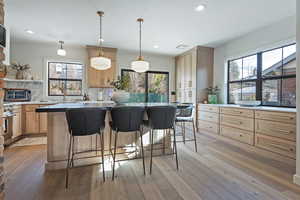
(241, 135)
(291, 118)
(291, 149)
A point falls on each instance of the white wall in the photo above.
(297, 176)
(7, 48)
(38, 54)
(275, 35)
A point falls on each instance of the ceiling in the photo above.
(168, 23)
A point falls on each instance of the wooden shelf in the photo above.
(22, 81)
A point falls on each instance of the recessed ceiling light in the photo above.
(200, 7)
(29, 31)
(155, 46)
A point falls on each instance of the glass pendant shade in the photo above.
(100, 63)
(140, 66)
(61, 52)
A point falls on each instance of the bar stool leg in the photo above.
(194, 130)
(114, 155)
(110, 135)
(175, 147)
(164, 142)
(183, 124)
(97, 143)
(142, 146)
(68, 162)
(72, 159)
(151, 133)
(102, 153)
(136, 137)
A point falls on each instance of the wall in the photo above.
(2, 58)
(37, 55)
(280, 33)
(297, 176)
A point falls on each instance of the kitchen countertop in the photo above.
(64, 106)
(266, 108)
(49, 102)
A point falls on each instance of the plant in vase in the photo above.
(121, 87)
(20, 69)
(3, 70)
(213, 94)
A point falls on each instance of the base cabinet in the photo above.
(35, 123)
(274, 131)
(17, 122)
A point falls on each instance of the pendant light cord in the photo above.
(101, 51)
(140, 39)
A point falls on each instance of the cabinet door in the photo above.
(43, 122)
(188, 71)
(32, 122)
(17, 125)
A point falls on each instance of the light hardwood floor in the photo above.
(219, 170)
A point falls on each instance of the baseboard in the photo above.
(297, 179)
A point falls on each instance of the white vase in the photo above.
(120, 96)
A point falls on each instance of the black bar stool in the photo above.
(85, 122)
(185, 115)
(126, 119)
(162, 118)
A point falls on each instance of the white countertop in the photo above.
(266, 108)
(49, 102)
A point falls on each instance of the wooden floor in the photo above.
(218, 171)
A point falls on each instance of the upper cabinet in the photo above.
(101, 78)
(194, 73)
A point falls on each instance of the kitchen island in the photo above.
(58, 135)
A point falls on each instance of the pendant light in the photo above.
(140, 65)
(61, 51)
(100, 62)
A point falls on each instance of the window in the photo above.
(269, 77)
(242, 79)
(151, 86)
(65, 78)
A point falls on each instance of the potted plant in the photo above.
(3, 70)
(213, 94)
(121, 87)
(20, 69)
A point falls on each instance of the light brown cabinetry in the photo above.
(194, 71)
(276, 132)
(101, 78)
(17, 122)
(35, 123)
(208, 118)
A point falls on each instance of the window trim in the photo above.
(63, 79)
(259, 78)
(146, 80)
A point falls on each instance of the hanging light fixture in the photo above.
(61, 51)
(100, 62)
(140, 65)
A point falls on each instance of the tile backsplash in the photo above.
(37, 93)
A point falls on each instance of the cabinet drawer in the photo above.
(276, 129)
(284, 117)
(283, 147)
(208, 108)
(207, 116)
(237, 122)
(31, 108)
(237, 134)
(238, 112)
(208, 126)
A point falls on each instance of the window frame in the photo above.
(146, 81)
(259, 77)
(64, 79)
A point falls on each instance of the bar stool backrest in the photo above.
(185, 110)
(127, 118)
(85, 121)
(161, 117)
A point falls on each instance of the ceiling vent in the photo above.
(182, 46)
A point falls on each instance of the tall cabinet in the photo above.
(194, 73)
